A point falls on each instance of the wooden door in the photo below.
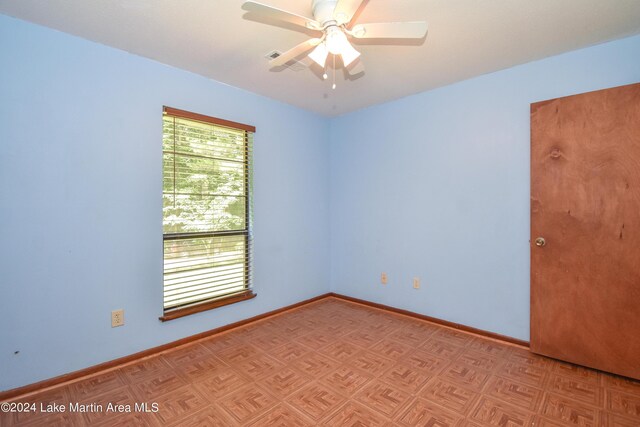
(585, 203)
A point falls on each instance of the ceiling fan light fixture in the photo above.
(319, 54)
(349, 54)
(336, 41)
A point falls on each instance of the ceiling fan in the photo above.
(332, 20)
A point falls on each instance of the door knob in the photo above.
(540, 241)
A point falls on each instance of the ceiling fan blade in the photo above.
(345, 9)
(294, 51)
(281, 15)
(390, 30)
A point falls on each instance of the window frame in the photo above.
(248, 293)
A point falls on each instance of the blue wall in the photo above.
(81, 207)
(436, 185)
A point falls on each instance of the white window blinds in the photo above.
(207, 186)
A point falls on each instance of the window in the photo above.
(206, 194)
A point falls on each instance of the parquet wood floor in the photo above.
(337, 363)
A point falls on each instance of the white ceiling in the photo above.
(466, 38)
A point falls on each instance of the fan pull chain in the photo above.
(334, 72)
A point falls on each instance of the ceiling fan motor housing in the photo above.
(323, 10)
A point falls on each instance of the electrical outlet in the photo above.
(117, 318)
(383, 278)
(416, 283)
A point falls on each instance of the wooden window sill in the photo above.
(181, 312)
